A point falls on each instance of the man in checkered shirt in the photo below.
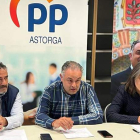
(69, 102)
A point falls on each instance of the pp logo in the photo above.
(31, 21)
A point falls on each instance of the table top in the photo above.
(119, 132)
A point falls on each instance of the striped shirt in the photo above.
(83, 107)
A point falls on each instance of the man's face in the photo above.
(3, 81)
(71, 80)
(135, 55)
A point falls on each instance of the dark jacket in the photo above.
(8, 100)
(117, 79)
(125, 108)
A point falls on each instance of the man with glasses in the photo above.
(121, 77)
(69, 102)
(11, 112)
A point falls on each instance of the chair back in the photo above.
(105, 111)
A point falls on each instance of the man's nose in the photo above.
(73, 84)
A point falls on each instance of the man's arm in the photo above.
(29, 116)
(94, 115)
(64, 122)
(42, 116)
(16, 118)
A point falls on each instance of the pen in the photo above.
(135, 131)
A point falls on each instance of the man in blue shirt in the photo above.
(69, 102)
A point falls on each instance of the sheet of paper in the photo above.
(136, 127)
(13, 135)
(58, 129)
(77, 133)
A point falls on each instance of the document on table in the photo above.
(137, 128)
(77, 133)
(13, 135)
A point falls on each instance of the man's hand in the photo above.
(3, 122)
(32, 113)
(139, 119)
(64, 122)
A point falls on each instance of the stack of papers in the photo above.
(77, 133)
(13, 135)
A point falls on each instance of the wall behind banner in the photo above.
(55, 38)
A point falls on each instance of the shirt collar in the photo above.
(131, 67)
(2, 95)
(63, 90)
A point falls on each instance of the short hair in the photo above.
(133, 44)
(2, 66)
(72, 65)
(130, 83)
(53, 65)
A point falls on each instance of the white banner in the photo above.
(58, 23)
(36, 33)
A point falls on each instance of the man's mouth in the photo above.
(138, 59)
(1, 87)
(73, 89)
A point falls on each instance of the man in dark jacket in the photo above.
(118, 78)
(11, 112)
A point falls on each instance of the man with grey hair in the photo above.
(11, 112)
(69, 102)
(121, 77)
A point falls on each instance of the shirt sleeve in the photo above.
(115, 110)
(94, 115)
(16, 118)
(42, 116)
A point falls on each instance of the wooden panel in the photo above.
(105, 16)
(90, 15)
(94, 42)
(103, 93)
(104, 42)
(103, 65)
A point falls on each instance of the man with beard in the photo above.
(11, 112)
(69, 102)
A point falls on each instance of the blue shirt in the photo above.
(83, 107)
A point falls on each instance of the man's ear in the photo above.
(61, 77)
(130, 56)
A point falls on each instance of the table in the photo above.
(119, 132)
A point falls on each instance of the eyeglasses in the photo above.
(134, 43)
